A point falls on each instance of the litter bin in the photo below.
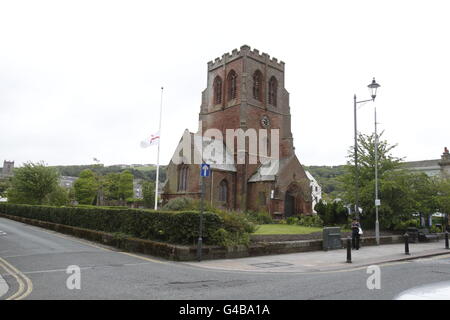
(331, 238)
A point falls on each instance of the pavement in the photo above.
(334, 260)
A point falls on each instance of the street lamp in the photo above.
(373, 89)
(373, 86)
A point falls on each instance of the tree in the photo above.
(148, 191)
(395, 184)
(332, 213)
(4, 185)
(442, 196)
(59, 197)
(111, 186)
(125, 185)
(32, 183)
(86, 187)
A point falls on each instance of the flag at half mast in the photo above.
(153, 140)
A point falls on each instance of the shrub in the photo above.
(333, 213)
(259, 217)
(435, 229)
(403, 225)
(181, 203)
(225, 238)
(311, 221)
(175, 227)
(292, 220)
(58, 197)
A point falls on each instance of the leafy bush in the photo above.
(333, 213)
(434, 229)
(175, 227)
(259, 217)
(403, 225)
(310, 221)
(58, 197)
(249, 219)
(292, 220)
(181, 203)
(225, 238)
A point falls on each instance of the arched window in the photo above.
(217, 90)
(183, 171)
(223, 191)
(232, 85)
(273, 88)
(257, 88)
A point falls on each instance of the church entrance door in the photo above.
(289, 205)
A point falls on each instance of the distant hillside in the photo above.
(325, 175)
(327, 178)
(144, 172)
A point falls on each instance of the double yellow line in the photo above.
(25, 284)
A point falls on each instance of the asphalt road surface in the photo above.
(34, 264)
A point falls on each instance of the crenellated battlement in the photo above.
(246, 51)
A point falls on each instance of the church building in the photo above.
(245, 90)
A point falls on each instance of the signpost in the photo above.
(205, 170)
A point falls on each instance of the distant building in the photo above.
(432, 168)
(67, 181)
(316, 190)
(7, 170)
(137, 189)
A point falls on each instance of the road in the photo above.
(40, 259)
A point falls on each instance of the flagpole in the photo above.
(157, 161)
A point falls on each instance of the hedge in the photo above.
(173, 227)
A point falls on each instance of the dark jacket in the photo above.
(355, 228)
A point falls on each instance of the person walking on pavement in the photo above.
(356, 229)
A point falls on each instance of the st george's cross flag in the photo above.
(153, 140)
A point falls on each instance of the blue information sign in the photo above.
(205, 170)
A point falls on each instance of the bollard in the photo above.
(446, 239)
(349, 250)
(406, 243)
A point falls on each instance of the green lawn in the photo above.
(285, 229)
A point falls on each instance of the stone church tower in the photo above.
(245, 90)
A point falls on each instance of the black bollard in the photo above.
(349, 250)
(406, 243)
(446, 239)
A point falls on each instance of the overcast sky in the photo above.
(81, 79)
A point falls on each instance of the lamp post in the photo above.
(373, 87)
(373, 92)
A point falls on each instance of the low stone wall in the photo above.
(189, 253)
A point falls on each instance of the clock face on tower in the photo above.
(265, 121)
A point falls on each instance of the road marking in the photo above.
(18, 280)
(143, 258)
(3, 286)
(88, 268)
(25, 284)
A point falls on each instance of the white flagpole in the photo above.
(157, 161)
